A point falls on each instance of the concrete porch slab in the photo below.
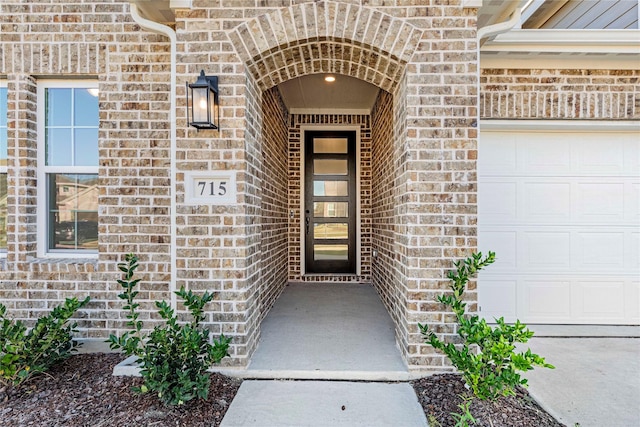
(324, 403)
(328, 331)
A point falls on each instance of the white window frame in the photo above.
(4, 169)
(42, 208)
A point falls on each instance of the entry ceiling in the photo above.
(312, 94)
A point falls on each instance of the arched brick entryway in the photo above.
(339, 39)
(422, 146)
(326, 37)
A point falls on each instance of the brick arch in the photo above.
(323, 37)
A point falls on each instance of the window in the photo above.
(68, 178)
(3, 166)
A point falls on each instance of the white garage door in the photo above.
(561, 209)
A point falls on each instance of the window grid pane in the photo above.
(73, 211)
(331, 209)
(330, 145)
(330, 167)
(330, 188)
(331, 231)
(71, 128)
(328, 252)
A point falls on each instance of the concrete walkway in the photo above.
(324, 404)
(333, 332)
(596, 382)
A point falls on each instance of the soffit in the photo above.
(312, 94)
(585, 15)
(563, 14)
(563, 34)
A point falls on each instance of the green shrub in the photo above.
(464, 417)
(493, 370)
(25, 352)
(174, 357)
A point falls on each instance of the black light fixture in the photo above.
(203, 107)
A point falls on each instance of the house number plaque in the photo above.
(213, 188)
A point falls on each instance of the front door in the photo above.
(330, 202)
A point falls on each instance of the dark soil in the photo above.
(440, 395)
(82, 392)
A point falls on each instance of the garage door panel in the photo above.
(600, 201)
(499, 299)
(540, 155)
(597, 251)
(632, 208)
(634, 251)
(504, 244)
(545, 300)
(499, 201)
(571, 243)
(546, 202)
(597, 154)
(498, 154)
(632, 156)
(632, 302)
(598, 301)
(560, 298)
(545, 250)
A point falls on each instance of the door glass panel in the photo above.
(330, 188)
(330, 231)
(330, 145)
(330, 166)
(331, 209)
(331, 252)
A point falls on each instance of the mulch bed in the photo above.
(81, 392)
(439, 396)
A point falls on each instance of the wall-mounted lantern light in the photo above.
(203, 105)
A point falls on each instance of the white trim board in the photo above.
(332, 111)
(568, 125)
(588, 41)
(562, 61)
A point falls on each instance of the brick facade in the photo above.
(99, 42)
(275, 264)
(238, 251)
(418, 151)
(384, 198)
(560, 94)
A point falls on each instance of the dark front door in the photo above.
(330, 202)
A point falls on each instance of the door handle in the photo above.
(306, 220)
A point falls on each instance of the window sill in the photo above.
(65, 264)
